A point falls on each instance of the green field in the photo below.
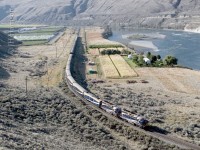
(46, 30)
(130, 62)
(35, 42)
(106, 46)
(3, 26)
(38, 36)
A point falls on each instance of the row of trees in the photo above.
(115, 51)
(110, 52)
(155, 60)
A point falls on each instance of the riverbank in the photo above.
(180, 44)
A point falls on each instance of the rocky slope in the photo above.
(4, 50)
(148, 13)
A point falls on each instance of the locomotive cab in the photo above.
(142, 122)
(117, 111)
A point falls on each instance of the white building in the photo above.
(130, 56)
(147, 60)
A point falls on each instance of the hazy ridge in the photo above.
(148, 13)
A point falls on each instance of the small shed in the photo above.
(147, 60)
(130, 56)
(91, 63)
(91, 71)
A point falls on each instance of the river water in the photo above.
(183, 45)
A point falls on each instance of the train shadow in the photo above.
(79, 69)
(4, 73)
(156, 129)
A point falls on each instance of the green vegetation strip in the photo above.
(130, 62)
(106, 46)
(18, 26)
(46, 30)
(34, 42)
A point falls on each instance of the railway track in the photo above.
(168, 138)
(165, 137)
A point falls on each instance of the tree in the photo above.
(135, 58)
(149, 55)
(158, 57)
(153, 59)
(170, 60)
(140, 60)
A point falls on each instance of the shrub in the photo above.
(153, 59)
(110, 52)
(135, 58)
(170, 60)
(106, 46)
(158, 57)
(127, 52)
(149, 55)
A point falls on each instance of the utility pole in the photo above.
(47, 75)
(11, 31)
(26, 85)
(56, 50)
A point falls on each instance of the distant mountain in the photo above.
(146, 13)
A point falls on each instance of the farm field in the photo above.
(34, 42)
(97, 44)
(94, 52)
(94, 38)
(108, 68)
(6, 26)
(33, 35)
(130, 62)
(123, 68)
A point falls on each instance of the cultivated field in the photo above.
(94, 37)
(123, 68)
(108, 67)
(173, 79)
(94, 52)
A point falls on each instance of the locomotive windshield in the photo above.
(143, 122)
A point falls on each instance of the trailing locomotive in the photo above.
(107, 107)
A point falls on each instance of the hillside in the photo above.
(4, 39)
(4, 45)
(148, 13)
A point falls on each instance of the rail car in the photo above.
(134, 119)
(93, 99)
(79, 89)
(106, 106)
(71, 80)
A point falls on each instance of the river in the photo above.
(183, 45)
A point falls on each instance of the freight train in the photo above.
(106, 106)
